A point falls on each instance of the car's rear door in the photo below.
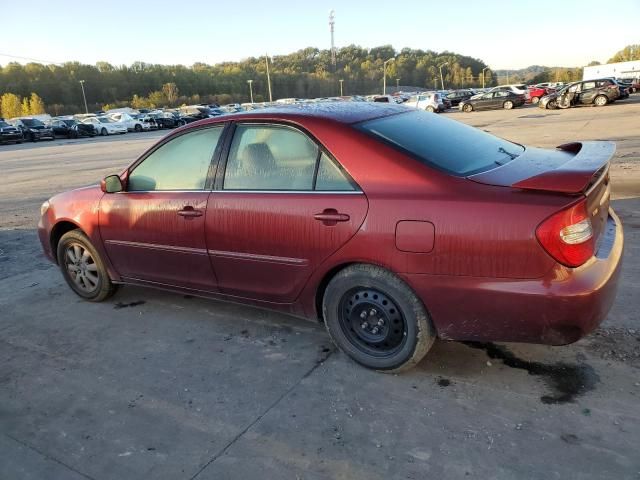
(154, 230)
(281, 205)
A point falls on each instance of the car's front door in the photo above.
(588, 92)
(485, 101)
(280, 207)
(154, 230)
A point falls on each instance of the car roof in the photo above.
(342, 112)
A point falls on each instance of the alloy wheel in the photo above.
(82, 268)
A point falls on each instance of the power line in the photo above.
(31, 59)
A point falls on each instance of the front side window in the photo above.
(270, 157)
(180, 164)
(588, 85)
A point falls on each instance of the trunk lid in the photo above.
(572, 168)
(577, 169)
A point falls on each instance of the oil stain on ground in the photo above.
(120, 305)
(566, 381)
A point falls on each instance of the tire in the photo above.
(508, 105)
(467, 108)
(552, 104)
(82, 268)
(430, 109)
(104, 132)
(138, 128)
(535, 100)
(600, 101)
(376, 319)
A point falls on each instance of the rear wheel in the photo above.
(376, 319)
(535, 100)
(138, 128)
(508, 105)
(467, 107)
(82, 267)
(600, 101)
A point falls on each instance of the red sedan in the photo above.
(393, 226)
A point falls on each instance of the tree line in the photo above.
(306, 73)
(12, 105)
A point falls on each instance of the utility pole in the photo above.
(441, 78)
(250, 82)
(341, 82)
(84, 97)
(483, 70)
(266, 59)
(332, 22)
(384, 74)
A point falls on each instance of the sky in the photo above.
(504, 34)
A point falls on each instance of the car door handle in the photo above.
(330, 216)
(189, 212)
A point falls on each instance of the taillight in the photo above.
(568, 235)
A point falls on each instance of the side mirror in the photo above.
(111, 184)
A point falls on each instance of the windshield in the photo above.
(69, 123)
(105, 120)
(32, 122)
(3, 124)
(442, 143)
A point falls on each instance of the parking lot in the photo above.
(157, 385)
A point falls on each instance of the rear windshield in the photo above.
(32, 122)
(443, 143)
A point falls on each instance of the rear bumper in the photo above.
(559, 308)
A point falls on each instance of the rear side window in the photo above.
(441, 142)
(180, 164)
(331, 177)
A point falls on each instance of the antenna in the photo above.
(332, 22)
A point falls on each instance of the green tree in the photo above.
(628, 53)
(36, 105)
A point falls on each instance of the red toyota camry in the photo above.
(393, 226)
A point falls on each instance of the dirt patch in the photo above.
(616, 344)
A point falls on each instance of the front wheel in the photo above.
(430, 109)
(376, 319)
(600, 101)
(468, 108)
(138, 128)
(508, 105)
(535, 100)
(82, 267)
(104, 132)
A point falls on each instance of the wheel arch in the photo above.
(58, 230)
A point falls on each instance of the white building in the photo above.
(623, 70)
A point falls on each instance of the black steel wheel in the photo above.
(372, 321)
(82, 267)
(376, 319)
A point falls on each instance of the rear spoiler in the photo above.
(576, 175)
(570, 169)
